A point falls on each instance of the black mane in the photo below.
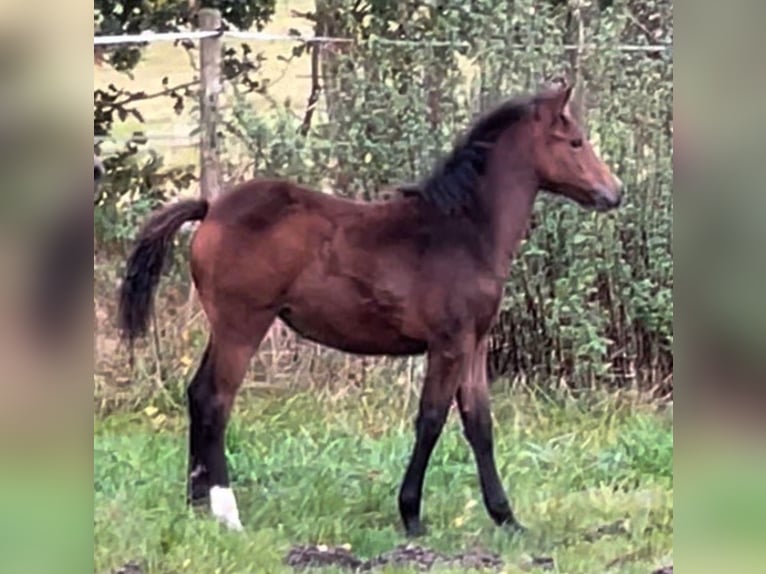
(452, 183)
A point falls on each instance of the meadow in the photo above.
(591, 478)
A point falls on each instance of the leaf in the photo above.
(579, 238)
(299, 50)
(136, 114)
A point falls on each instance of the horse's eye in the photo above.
(576, 143)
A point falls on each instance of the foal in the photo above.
(422, 273)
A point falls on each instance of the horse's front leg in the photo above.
(473, 402)
(446, 367)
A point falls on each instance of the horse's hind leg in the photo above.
(211, 395)
(199, 400)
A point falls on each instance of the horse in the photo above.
(420, 273)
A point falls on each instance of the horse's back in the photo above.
(261, 202)
(274, 229)
(274, 196)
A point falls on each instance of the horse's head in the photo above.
(565, 161)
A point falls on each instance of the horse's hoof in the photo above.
(231, 523)
(515, 528)
(223, 506)
(197, 503)
(415, 530)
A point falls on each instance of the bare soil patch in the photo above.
(406, 555)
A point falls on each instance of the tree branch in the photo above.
(141, 96)
(316, 89)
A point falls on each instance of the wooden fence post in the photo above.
(210, 79)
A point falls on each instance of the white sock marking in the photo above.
(223, 505)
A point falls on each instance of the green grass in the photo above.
(314, 471)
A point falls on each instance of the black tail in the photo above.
(146, 262)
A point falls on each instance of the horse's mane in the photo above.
(452, 183)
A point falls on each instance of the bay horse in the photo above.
(422, 273)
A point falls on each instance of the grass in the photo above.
(309, 470)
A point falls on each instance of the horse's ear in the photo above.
(553, 105)
(569, 90)
(561, 99)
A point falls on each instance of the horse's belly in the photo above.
(353, 329)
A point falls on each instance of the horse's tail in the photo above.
(146, 262)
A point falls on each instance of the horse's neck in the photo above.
(508, 196)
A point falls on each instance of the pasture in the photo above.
(591, 477)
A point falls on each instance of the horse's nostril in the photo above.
(606, 198)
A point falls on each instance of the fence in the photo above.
(211, 37)
(589, 298)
